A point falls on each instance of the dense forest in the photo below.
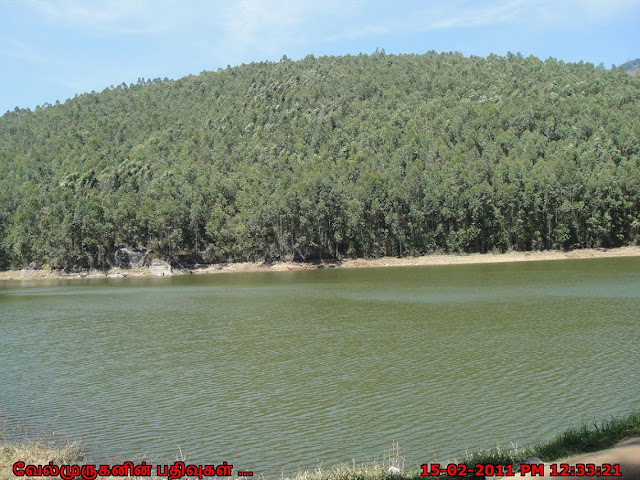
(331, 157)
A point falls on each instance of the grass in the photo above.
(37, 453)
(585, 439)
(573, 441)
(40, 451)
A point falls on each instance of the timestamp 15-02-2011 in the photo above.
(533, 470)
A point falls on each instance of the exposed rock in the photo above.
(128, 258)
(116, 273)
(29, 269)
(160, 268)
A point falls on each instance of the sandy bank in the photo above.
(633, 251)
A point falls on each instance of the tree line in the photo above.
(331, 157)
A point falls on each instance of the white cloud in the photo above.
(598, 9)
(566, 14)
(256, 23)
(415, 17)
(261, 28)
(14, 48)
(257, 27)
(492, 14)
(110, 16)
(270, 25)
(359, 31)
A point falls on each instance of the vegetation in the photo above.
(356, 156)
(586, 438)
(35, 453)
(632, 67)
(583, 439)
(573, 441)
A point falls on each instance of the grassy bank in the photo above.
(37, 453)
(582, 439)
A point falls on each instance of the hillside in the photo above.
(632, 67)
(358, 156)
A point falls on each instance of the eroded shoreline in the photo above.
(454, 259)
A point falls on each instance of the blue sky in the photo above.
(52, 49)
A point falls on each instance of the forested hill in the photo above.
(632, 67)
(328, 157)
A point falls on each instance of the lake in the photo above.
(283, 370)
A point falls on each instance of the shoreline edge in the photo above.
(236, 267)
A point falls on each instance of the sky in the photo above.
(54, 49)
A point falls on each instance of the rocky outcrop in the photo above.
(116, 273)
(128, 258)
(160, 268)
(28, 270)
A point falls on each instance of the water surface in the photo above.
(275, 371)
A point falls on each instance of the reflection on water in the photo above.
(272, 371)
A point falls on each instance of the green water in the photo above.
(275, 371)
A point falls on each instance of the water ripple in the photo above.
(287, 370)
